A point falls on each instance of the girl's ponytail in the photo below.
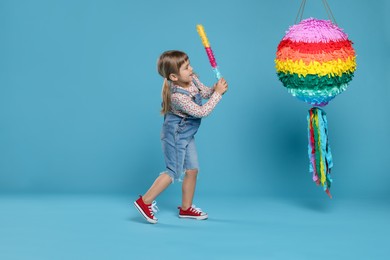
(169, 63)
(166, 97)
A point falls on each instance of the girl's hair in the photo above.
(169, 63)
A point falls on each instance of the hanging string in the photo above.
(327, 9)
(300, 11)
(329, 12)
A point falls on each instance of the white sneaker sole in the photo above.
(194, 217)
(152, 221)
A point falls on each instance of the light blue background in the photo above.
(80, 134)
(80, 97)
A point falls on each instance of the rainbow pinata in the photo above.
(315, 61)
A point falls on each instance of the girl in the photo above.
(182, 109)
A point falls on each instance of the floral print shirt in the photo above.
(183, 105)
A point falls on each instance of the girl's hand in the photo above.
(221, 86)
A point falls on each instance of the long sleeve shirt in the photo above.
(183, 105)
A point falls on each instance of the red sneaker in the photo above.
(192, 212)
(146, 210)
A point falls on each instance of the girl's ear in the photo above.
(173, 77)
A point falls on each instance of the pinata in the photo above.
(315, 61)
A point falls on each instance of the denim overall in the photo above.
(178, 142)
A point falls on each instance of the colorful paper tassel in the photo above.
(319, 152)
(209, 51)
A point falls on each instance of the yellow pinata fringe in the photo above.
(333, 68)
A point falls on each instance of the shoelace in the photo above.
(195, 209)
(153, 208)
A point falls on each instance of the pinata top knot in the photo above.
(315, 61)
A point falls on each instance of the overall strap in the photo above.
(196, 84)
(180, 90)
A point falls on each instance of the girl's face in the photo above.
(185, 74)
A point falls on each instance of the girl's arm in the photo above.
(205, 91)
(185, 104)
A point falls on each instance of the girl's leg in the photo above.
(159, 185)
(188, 188)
